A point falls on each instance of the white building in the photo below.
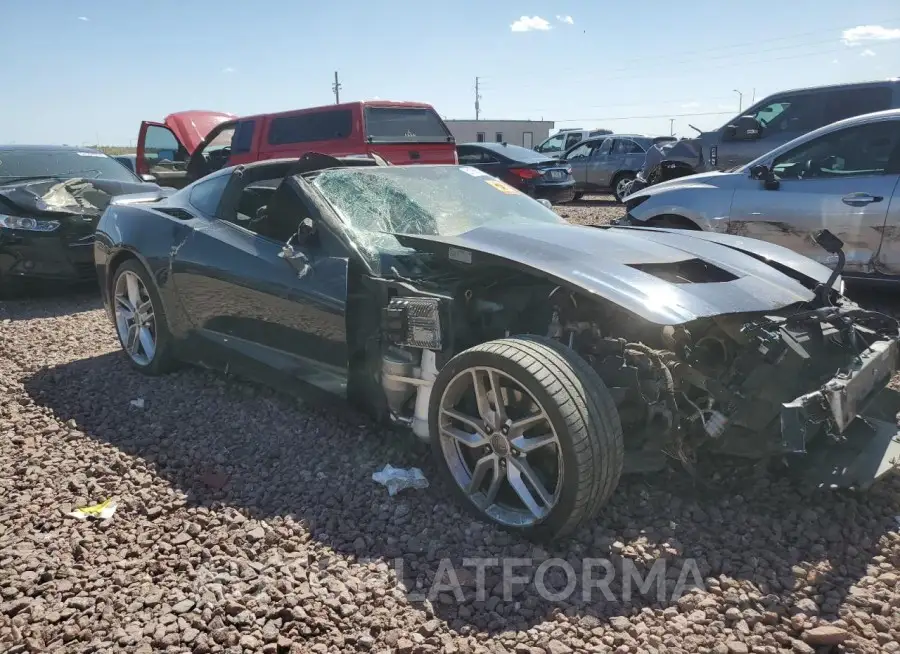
(527, 133)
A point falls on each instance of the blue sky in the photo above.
(89, 69)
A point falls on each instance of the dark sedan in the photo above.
(531, 172)
(535, 356)
(51, 198)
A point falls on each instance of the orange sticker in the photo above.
(503, 187)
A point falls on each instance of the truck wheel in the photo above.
(527, 435)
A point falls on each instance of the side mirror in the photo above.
(147, 177)
(828, 241)
(745, 128)
(764, 174)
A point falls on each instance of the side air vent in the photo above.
(175, 212)
(690, 271)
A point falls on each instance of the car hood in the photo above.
(76, 197)
(191, 127)
(630, 266)
(711, 180)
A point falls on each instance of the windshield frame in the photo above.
(116, 166)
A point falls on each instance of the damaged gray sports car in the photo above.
(540, 359)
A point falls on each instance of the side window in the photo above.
(554, 143)
(796, 114)
(205, 195)
(846, 104)
(162, 149)
(242, 140)
(479, 137)
(602, 147)
(469, 156)
(854, 151)
(627, 146)
(312, 126)
(573, 138)
(581, 152)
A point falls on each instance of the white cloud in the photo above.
(228, 70)
(565, 19)
(690, 105)
(866, 33)
(530, 23)
(835, 61)
(84, 18)
(867, 53)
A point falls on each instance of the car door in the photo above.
(578, 158)
(633, 154)
(552, 145)
(263, 311)
(601, 167)
(842, 181)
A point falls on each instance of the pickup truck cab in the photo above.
(188, 145)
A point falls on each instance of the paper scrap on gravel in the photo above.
(102, 511)
(396, 479)
(138, 403)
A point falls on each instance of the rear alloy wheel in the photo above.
(527, 435)
(140, 319)
(621, 184)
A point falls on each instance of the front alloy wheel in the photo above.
(140, 319)
(135, 319)
(527, 435)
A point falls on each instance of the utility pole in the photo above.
(671, 127)
(477, 98)
(740, 100)
(336, 87)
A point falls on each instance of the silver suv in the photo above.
(843, 177)
(609, 163)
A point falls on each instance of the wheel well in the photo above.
(673, 220)
(619, 175)
(117, 260)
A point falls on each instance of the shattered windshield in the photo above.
(423, 200)
(62, 164)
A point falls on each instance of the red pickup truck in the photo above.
(191, 144)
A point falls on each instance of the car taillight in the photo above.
(568, 170)
(526, 173)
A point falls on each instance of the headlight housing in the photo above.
(28, 224)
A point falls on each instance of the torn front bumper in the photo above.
(857, 448)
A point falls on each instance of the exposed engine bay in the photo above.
(751, 385)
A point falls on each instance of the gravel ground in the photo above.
(248, 521)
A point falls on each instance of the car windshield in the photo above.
(424, 200)
(62, 164)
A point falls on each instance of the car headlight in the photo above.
(28, 224)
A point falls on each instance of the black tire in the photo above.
(580, 409)
(163, 360)
(618, 179)
(578, 196)
(673, 222)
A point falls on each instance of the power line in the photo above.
(668, 116)
(756, 43)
